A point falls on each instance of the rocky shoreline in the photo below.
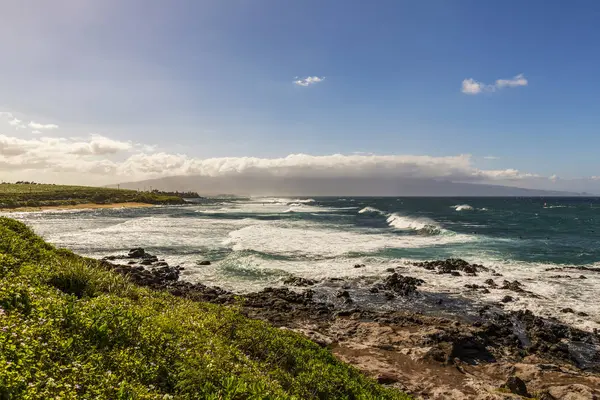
(492, 354)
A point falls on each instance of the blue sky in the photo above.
(213, 79)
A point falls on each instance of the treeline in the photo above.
(185, 195)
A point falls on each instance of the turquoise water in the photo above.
(254, 243)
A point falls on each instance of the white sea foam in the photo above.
(314, 240)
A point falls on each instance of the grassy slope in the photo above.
(70, 329)
(25, 195)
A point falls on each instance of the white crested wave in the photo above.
(463, 207)
(403, 222)
(371, 210)
(313, 240)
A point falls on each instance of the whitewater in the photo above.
(253, 243)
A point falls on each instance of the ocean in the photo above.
(254, 243)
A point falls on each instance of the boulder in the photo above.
(136, 253)
(204, 262)
(507, 299)
(297, 281)
(516, 386)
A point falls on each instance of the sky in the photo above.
(502, 92)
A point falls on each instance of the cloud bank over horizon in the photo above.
(99, 160)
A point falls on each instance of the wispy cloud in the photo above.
(36, 125)
(309, 80)
(491, 158)
(471, 86)
(36, 132)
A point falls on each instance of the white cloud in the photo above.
(36, 132)
(97, 157)
(36, 125)
(518, 80)
(310, 80)
(471, 86)
(99, 145)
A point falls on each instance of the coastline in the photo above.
(83, 206)
(425, 355)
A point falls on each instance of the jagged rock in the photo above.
(452, 266)
(490, 282)
(507, 299)
(342, 294)
(403, 285)
(515, 286)
(567, 310)
(297, 281)
(392, 270)
(516, 386)
(359, 265)
(136, 253)
(204, 262)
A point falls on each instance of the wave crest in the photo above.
(421, 225)
(371, 210)
(463, 207)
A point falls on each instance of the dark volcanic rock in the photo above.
(452, 266)
(515, 286)
(342, 294)
(490, 282)
(297, 281)
(507, 299)
(567, 310)
(403, 285)
(516, 386)
(136, 253)
(204, 262)
(359, 265)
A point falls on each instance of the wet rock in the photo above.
(403, 285)
(507, 299)
(131, 262)
(452, 266)
(515, 286)
(374, 289)
(516, 386)
(583, 314)
(582, 277)
(204, 262)
(136, 253)
(567, 310)
(359, 265)
(392, 270)
(490, 282)
(297, 281)
(342, 294)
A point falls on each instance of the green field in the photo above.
(14, 195)
(69, 329)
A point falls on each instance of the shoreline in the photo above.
(84, 206)
(427, 356)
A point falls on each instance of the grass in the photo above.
(39, 195)
(70, 329)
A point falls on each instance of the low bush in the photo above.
(70, 329)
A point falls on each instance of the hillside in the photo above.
(325, 186)
(14, 195)
(70, 329)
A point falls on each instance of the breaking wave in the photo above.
(463, 207)
(421, 225)
(371, 210)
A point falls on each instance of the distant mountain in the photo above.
(282, 186)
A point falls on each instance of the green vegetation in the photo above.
(13, 195)
(69, 329)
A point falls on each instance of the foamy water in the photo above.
(258, 242)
